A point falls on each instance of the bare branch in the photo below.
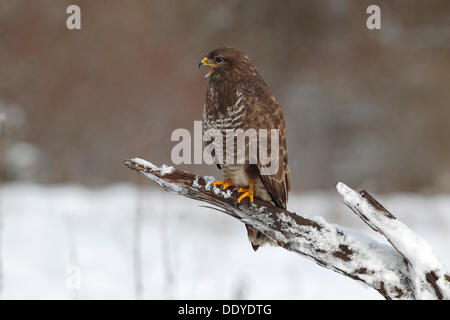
(343, 250)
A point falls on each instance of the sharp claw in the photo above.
(246, 193)
(218, 183)
(225, 184)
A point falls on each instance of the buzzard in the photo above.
(238, 98)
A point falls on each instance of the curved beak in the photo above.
(205, 62)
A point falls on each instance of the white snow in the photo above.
(227, 193)
(195, 182)
(187, 251)
(163, 170)
(209, 181)
(145, 163)
(166, 170)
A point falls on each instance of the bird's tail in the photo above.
(257, 238)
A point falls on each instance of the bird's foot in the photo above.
(246, 193)
(225, 184)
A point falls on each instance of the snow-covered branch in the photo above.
(425, 271)
(407, 270)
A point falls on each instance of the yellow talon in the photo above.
(225, 184)
(247, 192)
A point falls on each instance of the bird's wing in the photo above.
(264, 112)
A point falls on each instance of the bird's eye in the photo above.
(219, 59)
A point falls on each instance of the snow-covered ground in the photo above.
(56, 237)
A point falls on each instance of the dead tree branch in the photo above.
(397, 272)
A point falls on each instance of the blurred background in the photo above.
(366, 107)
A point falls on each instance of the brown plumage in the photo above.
(238, 98)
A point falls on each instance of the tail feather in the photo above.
(257, 238)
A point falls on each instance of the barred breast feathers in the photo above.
(232, 118)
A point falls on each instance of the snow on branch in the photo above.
(407, 270)
(425, 270)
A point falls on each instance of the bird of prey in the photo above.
(237, 97)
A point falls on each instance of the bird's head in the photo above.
(224, 59)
